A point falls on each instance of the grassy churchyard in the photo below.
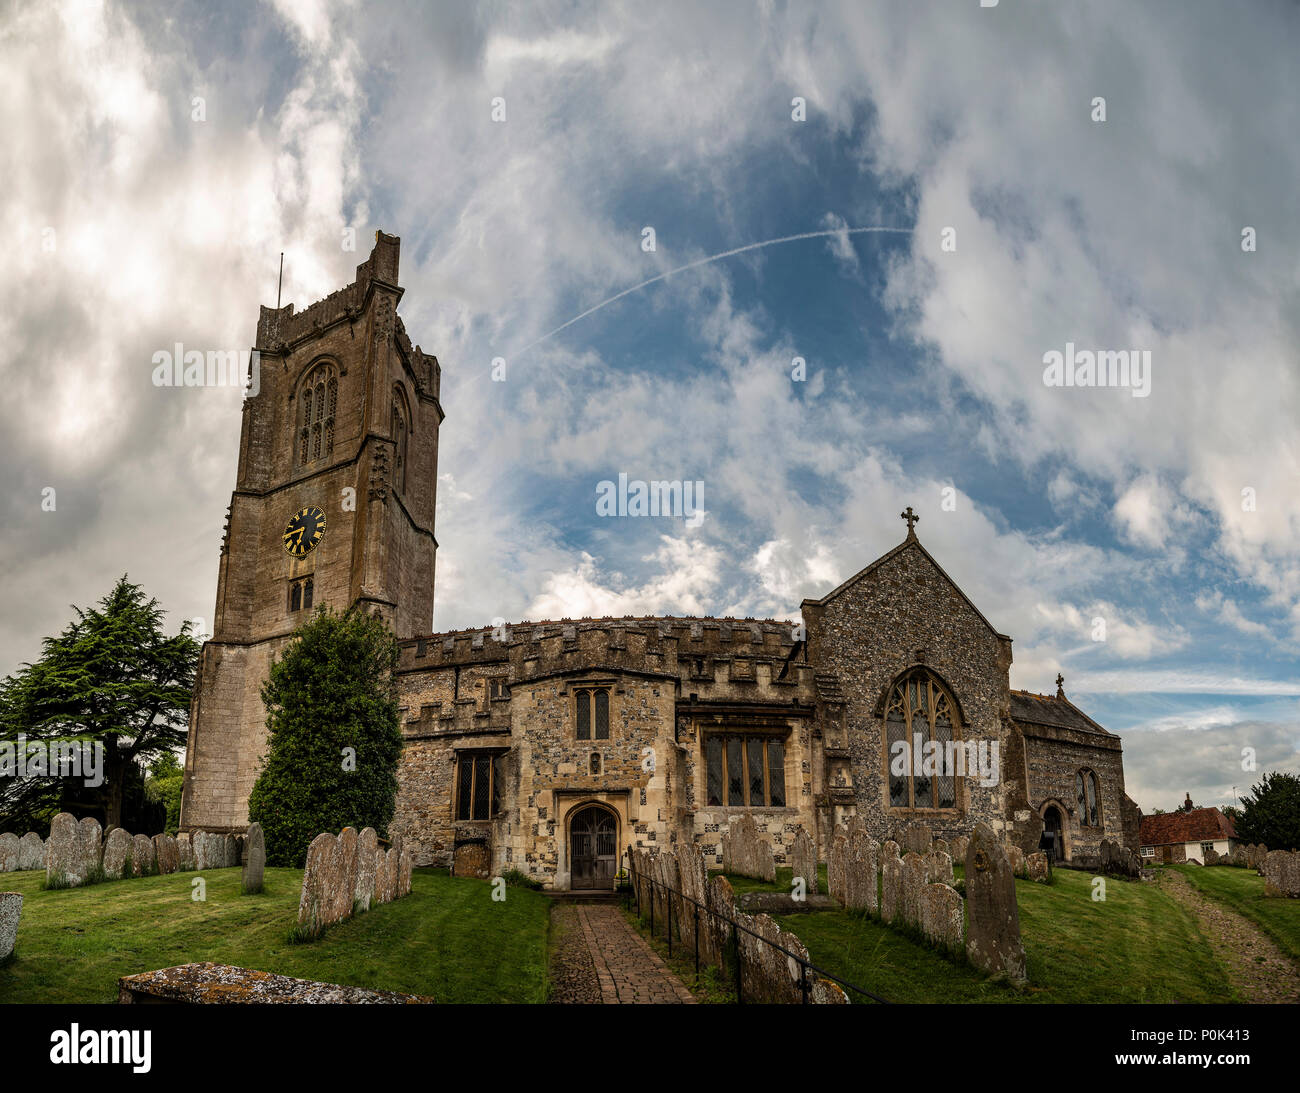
(1139, 946)
(451, 941)
(447, 939)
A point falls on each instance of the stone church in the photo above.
(550, 747)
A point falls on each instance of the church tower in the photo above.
(333, 504)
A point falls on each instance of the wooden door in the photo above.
(593, 849)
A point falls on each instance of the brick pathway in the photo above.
(627, 969)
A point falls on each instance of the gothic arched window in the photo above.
(318, 400)
(920, 712)
(401, 431)
(1086, 789)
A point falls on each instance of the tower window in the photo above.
(401, 431)
(318, 401)
(591, 713)
(300, 594)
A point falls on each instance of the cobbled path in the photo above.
(1256, 966)
(618, 966)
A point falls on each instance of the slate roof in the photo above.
(1198, 825)
(1054, 710)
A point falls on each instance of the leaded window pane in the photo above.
(584, 715)
(1091, 782)
(482, 786)
(602, 715)
(713, 754)
(464, 792)
(756, 795)
(896, 731)
(735, 771)
(776, 773)
(947, 782)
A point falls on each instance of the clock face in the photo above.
(304, 531)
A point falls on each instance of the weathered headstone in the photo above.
(1016, 858)
(321, 880)
(143, 860)
(230, 858)
(90, 845)
(345, 890)
(11, 907)
(117, 853)
(1238, 857)
(1282, 873)
(166, 854)
(199, 849)
(31, 851)
(803, 860)
(957, 848)
(722, 904)
(917, 838)
(62, 854)
(837, 870)
(891, 883)
(255, 860)
(1211, 857)
(942, 846)
(1036, 865)
(863, 868)
(941, 916)
(184, 852)
(363, 888)
(938, 867)
(9, 852)
(992, 917)
(913, 882)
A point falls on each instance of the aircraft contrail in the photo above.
(702, 262)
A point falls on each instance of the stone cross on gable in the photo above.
(1060, 685)
(911, 519)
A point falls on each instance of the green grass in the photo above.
(1242, 890)
(447, 939)
(1139, 945)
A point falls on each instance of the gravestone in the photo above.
(255, 860)
(1238, 857)
(62, 856)
(9, 852)
(938, 867)
(1212, 857)
(230, 857)
(941, 916)
(913, 882)
(403, 869)
(363, 890)
(199, 849)
(722, 904)
(803, 860)
(117, 850)
(917, 838)
(957, 848)
(942, 846)
(143, 860)
(891, 883)
(321, 879)
(165, 854)
(1016, 858)
(31, 851)
(862, 891)
(1036, 866)
(1282, 874)
(992, 917)
(342, 901)
(11, 907)
(90, 845)
(184, 852)
(837, 870)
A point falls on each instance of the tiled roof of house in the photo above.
(1198, 825)
(1055, 710)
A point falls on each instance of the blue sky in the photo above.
(924, 366)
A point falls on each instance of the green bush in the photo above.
(335, 737)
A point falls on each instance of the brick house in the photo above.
(1186, 835)
(551, 746)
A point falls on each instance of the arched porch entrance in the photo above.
(1054, 827)
(593, 848)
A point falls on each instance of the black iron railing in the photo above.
(633, 893)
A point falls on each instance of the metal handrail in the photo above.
(805, 966)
